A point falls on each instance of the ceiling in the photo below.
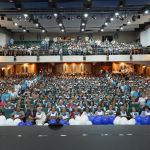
(70, 14)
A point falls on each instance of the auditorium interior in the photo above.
(75, 72)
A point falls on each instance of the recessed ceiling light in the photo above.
(86, 15)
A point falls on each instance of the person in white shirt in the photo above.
(99, 111)
(134, 113)
(40, 116)
(53, 114)
(142, 100)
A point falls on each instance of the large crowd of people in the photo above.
(40, 98)
(72, 47)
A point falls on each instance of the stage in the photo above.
(75, 138)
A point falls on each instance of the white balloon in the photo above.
(16, 122)
(88, 123)
(2, 118)
(9, 122)
(117, 120)
(131, 122)
(72, 121)
(123, 121)
(46, 124)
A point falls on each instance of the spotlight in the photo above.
(62, 30)
(25, 15)
(83, 24)
(86, 15)
(60, 24)
(16, 24)
(129, 22)
(24, 30)
(102, 30)
(36, 24)
(116, 13)
(146, 11)
(11, 1)
(82, 30)
(43, 31)
(112, 19)
(106, 23)
(121, 28)
(55, 15)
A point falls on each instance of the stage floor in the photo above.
(75, 138)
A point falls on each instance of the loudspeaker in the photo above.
(107, 57)
(38, 58)
(84, 58)
(15, 58)
(131, 57)
(61, 58)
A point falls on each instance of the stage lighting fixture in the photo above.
(24, 30)
(129, 22)
(82, 30)
(16, 24)
(55, 15)
(93, 17)
(106, 23)
(37, 25)
(25, 15)
(121, 28)
(43, 31)
(146, 11)
(116, 13)
(83, 24)
(60, 24)
(111, 19)
(62, 30)
(102, 30)
(86, 15)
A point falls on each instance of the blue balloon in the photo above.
(28, 123)
(52, 122)
(91, 118)
(62, 122)
(21, 123)
(105, 120)
(145, 120)
(97, 120)
(111, 119)
(138, 120)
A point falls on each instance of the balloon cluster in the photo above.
(80, 120)
(11, 122)
(124, 121)
(142, 120)
(101, 120)
(54, 122)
